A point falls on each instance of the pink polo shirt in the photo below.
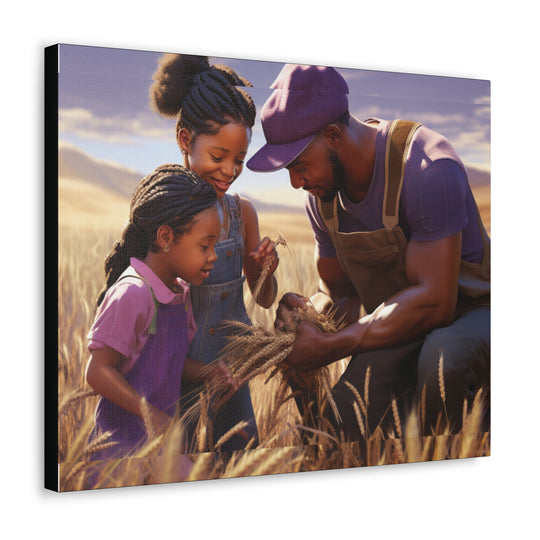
(123, 318)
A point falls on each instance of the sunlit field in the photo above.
(86, 234)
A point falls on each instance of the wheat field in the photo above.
(284, 444)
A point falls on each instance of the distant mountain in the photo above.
(76, 164)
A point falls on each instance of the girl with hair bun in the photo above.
(213, 131)
(143, 325)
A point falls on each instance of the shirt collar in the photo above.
(163, 294)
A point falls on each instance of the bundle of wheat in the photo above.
(252, 351)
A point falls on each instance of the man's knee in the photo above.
(453, 365)
(454, 358)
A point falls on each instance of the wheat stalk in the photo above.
(74, 395)
(99, 443)
(77, 469)
(275, 462)
(230, 433)
(397, 421)
(359, 418)
(78, 286)
(357, 396)
(202, 467)
(151, 446)
(203, 427)
(247, 462)
(147, 418)
(325, 378)
(366, 385)
(252, 351)
(441, 384)
(280, 241)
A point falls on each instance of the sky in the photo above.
(104, 110)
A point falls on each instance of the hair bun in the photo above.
(175, 75)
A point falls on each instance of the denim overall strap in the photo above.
(221, 297)
(220, 300)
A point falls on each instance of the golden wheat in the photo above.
(229, 434)
(281, 446)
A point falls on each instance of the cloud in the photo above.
(468, 133)
(483, 100)
(353, 75)
(473, 147)
(118, 129)
(445, 123)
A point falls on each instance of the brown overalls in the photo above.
(374, 262)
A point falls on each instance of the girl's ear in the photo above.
(164, 237)
(184, 138)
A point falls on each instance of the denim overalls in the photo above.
(221, 299)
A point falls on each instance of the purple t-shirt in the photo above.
(123, 318)
(436, 199)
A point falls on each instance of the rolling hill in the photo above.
(91, 190)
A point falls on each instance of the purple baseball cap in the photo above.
(305, 99)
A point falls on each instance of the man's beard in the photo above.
(338, 173)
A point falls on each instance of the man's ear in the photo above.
(184, 138)
(334, 134)
(164, 236)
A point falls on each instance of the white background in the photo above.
(467, 498)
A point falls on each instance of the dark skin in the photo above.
(103, 372)
(219, 159)
(432, 268)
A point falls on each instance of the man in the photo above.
(401, 250)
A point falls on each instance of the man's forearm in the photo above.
(405, 317)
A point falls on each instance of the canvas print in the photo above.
(262, 267)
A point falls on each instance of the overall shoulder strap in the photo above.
(235, 212)
(153, 322)
(328, 212)
(234, 206)
(398, 143)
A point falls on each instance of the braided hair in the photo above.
(170, 195)
(202, 97)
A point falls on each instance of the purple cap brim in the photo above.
(272, 157)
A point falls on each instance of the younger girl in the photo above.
(143, 325)
(213, 130)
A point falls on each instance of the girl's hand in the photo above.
(220, 376)
(160, 420)
(265, 252)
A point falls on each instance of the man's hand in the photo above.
(220, 376)
(309, 351)
(287, 318)
(313, 347)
